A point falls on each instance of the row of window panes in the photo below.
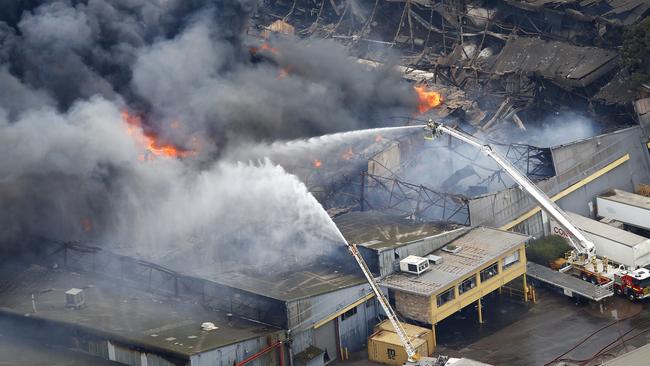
(511, 260)
(470, 282)
(467, 284)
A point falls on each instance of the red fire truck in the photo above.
(634, 284)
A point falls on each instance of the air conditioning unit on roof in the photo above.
(414, 264)
(75, 299)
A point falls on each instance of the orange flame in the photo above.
(150, 140)
(348, 154)
(264, 47)
(267, 47)
(317, 163)
(427, 99)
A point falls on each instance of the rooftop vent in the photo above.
(75, 299)
(414, 264)
(434, 259)
(451, 248)
(207, 326)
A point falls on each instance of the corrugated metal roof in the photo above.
(480, 246)
(627, 198)
(627, 11)
(295, 285)
(561, 62)
(379, 231)
(130, 315)
(601, 229)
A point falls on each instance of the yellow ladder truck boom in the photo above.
(414, 358)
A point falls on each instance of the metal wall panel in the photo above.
(573, 162)
(229, 355)
(353, 330)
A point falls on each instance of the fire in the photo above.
(348, 154)
(150, 140)
(427, 99)
(264, 47)
(378, 138)
(317, 163)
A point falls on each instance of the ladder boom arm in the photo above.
(584, 245)
(392, 317)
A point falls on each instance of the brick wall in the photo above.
(413, 306)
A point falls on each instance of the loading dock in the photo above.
(567, 284)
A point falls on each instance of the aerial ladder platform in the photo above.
(583, 262)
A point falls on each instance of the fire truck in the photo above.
(634, 284)
(582, 261)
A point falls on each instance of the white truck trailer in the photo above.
(629, 208)
(618, 245)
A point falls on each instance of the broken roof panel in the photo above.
(618, 90)
(376, 230)
(627, 11)
(567, 65)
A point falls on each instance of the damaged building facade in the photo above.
(501, 68)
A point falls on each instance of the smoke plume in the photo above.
(72, 166)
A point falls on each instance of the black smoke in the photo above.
(71, 169)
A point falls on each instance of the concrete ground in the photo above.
(515, 333)
(536, 334)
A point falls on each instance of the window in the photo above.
(413, 267)
(467, 285)
(445, 297)
(489, 272)
(511, 259)
(349, 313)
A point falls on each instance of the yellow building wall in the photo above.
(481, 289)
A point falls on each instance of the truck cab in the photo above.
(634, 284)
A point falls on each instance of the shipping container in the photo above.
(629, 208)
(412, 331)
(387, 348)
(618, 245)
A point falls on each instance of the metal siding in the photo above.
(154, 360)
(231, 354)
(534, 226)
(301, 340)
(353, 331)
(127, 356)
(325, 339)
(502, 207)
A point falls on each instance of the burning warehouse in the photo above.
(253, 182)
